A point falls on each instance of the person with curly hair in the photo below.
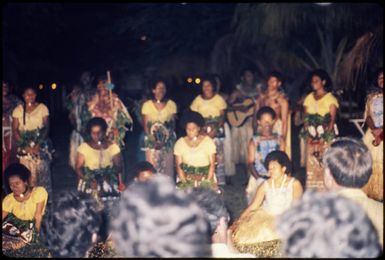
(153, 219)
(159, 126)
(99, 164)
(348, 167)
(195, 154)
(325, 225)
(71, 227)
(23, 208)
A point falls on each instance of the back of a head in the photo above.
(156, 220)
(143, 166)
(68, 228)
(212, 205)
(324, 225)
(349, 162)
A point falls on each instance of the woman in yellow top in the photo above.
(23, 208)
(195, 154)
(212, 107)
(99, 164)
(30, 126)
(320, 108)
(159, 127)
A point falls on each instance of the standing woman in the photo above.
(159, 128)
(320, 108)
(112, 110)
(30, 127)
(212, 107)
(99, 164)
(9, 103)
(195, 154)
(374, 138)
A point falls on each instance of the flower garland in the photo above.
(188, 169)
(162, 137)
(30, 138)
(316, 128)
(121, 121)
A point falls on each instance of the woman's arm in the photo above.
(118, 164)
(39, 215)
(297, 190)
(45, 127)
(284, 116)
(181, 174)
(15, 128)
(333, 115)
(251, 159)
(5, 214)
(80, 161)
(145, 120)
(212, 167)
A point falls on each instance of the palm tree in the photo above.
(292, 37)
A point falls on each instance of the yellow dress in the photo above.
(161, 131)
(195, 156)
(96, 159)
(39, 166)
(321, 106)
(375, 186)
(154, 115)
(210, 107)
(33, 120)
(196, 162)
(25, 210)
(314, 170)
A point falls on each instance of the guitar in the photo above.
(239, 112)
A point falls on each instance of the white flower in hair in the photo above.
(32, 144)
(320, 130)
(312, 131)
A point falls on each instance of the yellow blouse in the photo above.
(25, 210)
(33, 120)
(211, 107)
(321, 106)
(154, 115)
(96, 159)
(198, 156)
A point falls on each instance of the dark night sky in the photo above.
(43, 42)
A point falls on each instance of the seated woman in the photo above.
(262, 143)
(23, 208)
(99, 163)
(195, 154)
(256, 223)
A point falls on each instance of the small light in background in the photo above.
(41, 86)
(53, 86)
(197, 80)
(189, 80)
(143, 37)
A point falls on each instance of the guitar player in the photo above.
(241, 134)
